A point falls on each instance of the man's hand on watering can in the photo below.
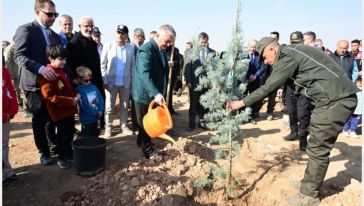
(159, 99)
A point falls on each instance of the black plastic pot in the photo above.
(89, 155)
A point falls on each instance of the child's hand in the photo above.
(76, 100)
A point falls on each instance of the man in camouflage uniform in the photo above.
(308, 71)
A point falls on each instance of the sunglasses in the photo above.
(86, 80)
(140, 36)
(50, 14)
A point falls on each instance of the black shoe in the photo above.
(303, 143)
(46, 160)
(291, 137)
(63, 164)
(190, 129)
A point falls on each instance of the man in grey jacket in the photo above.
(310, 72)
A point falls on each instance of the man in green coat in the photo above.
(149, 80)
(308, 71)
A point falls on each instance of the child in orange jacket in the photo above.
(61, 101)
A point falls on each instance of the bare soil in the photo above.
(268, 169)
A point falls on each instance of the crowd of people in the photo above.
(58, 76)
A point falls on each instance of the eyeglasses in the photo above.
(50, 14)
(88, 26)
(140, 36)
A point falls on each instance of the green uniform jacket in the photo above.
(150, 75)
(308, 71)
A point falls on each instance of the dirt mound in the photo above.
(162, 180)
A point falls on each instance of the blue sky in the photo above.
(331, 20)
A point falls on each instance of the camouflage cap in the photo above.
(296, 37)
(262, 43)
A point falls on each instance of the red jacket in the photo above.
(10, 103)
(58, 95)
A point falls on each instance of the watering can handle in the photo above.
(170, 123)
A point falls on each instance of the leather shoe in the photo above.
(46, 160)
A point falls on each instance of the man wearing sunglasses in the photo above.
(31, 41)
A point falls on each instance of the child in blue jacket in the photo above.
(91, 105)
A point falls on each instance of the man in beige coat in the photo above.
(117, 61)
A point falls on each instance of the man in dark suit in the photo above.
(196, 58)
(150, 80)
(31, 41)
(255, 72)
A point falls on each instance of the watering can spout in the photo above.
(167, 137)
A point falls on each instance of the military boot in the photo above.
(291, 137)
(303, 200)
(303, 142)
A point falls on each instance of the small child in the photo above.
(61, 102)
(352, 124)
(92, 104)
(10, 108)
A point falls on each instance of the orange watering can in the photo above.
(158, 121)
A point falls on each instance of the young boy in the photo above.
(61, 102)
(92, 104)
(351, 125)
(10, 108)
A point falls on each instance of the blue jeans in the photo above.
(352, 124)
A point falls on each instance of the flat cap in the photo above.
(262, 43)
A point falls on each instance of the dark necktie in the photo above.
(163, 60)
(49, 36)
(252, 61)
